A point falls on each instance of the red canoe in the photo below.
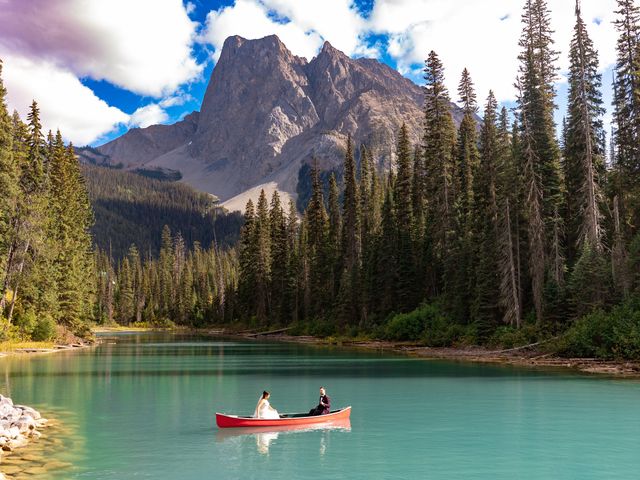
(233, 421)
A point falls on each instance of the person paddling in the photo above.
(324, 404)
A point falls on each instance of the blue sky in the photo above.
(99, 68)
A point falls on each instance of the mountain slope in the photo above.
(131, 209)
(266, 113)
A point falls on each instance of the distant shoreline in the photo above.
(523, 358)
(36, 349)
(531, 358)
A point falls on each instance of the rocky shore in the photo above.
(19, 425)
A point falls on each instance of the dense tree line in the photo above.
(184, 285)
(498, 223)
(46, 265)
(493, 225)
(131, 209)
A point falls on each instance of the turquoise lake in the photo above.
(143, 406)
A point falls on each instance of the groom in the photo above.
(324, 405)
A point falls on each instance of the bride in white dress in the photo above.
(264, 409)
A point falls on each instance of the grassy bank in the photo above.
(12, 346)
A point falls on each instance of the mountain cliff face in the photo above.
(267, 112)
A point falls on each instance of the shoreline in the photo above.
(531, 358)
(37, 350)
(522, 357)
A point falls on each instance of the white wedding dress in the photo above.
(264, 410)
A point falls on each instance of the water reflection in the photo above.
(263, 441)
(265, 436)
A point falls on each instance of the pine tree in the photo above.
(439, 145)
(590, 281)
(262, 241)
(335, 235)
(584, 138)
(29, 228)
(8, 179)
(626, 102)
(619, 256)
(293, 266)
(137, 282)
(165, 273)
(404, 219)
(484, 311)
(279, 259)
(125, 294)
(417, 192)
(319, 278)
(508, 192)
(386, 275)
(247, 261)
(540, 150)
(459, 263)
(351, 245)
(467, 150)
(68, 240)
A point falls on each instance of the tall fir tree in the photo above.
(467, 149)
(536, 103)
(508, 192)
(318, 247)
(279, 259)
(626, 118)
(247, 261)
(485, 311)
(350, 303)
(439, 168)
(262, 241)
(335, 235)
(584, 141)
(8, 180)
(459, 264)
(404, 218)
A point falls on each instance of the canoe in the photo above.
(223, 434)
(286, 419)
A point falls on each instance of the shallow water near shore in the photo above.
(142, 405)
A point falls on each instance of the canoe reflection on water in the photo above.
(266, 435)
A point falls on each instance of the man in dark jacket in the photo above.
(324, 405)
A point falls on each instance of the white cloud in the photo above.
(302, 26)
(250, 19)
(176, 100)
(65, 103)
(482, 36)
(335, 20)
(151, 114)
(143, 45)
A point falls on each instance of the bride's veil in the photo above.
(255, 412)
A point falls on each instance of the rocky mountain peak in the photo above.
(328, 49)
(267, 112)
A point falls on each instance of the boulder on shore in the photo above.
(18, 425)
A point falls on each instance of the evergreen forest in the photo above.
(504, 231)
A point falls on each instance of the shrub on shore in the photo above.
(606, 335)
(430, 325)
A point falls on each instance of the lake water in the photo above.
(142, 406)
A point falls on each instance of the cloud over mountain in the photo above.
(151, 52)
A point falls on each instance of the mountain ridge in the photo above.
(267, 112)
